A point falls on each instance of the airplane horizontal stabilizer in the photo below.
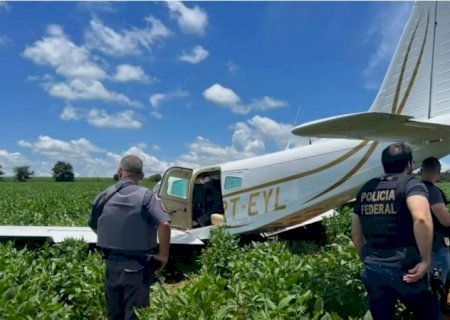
(374, 126)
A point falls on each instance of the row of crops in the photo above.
(267, 280)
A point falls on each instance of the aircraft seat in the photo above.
(217, 219)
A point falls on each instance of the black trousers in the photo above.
(127, 286)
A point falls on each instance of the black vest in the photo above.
(386, 221)
(440, 231)
(123, 226)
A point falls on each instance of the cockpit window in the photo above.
(232, 182)
(177, 187)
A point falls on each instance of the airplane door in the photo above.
(176, 195)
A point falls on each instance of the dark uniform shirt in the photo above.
(436, 196)
(386, 221)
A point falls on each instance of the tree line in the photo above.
(62, 172)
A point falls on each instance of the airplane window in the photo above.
(177, 187)
(233, 182)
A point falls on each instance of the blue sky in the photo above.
(192, 83)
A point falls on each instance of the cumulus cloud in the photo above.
(87, 159)
(120, 120)
(386, 29)
(75, 63)
(190, 20)
(197, 55)
(68, 59)
(79, 149)
(220, 95)
(71, 113)
(125, 42)
(126, 73)
(254, 137)
(227, 98)
(79, 89)
(159, 98)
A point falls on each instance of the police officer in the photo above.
(392, 231)
(431, 170)
(127, 219)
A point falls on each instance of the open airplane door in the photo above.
(176, 195)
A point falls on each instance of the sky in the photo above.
(181, 83)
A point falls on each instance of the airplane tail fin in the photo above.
(417, 82)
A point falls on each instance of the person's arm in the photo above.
(160, 218)
(438, 207)
(164, 243)
(423, 231)
(357, 235)
(95, 213)
(441, 213)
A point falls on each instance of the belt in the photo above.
(121, 255)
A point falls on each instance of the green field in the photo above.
(272, 280)
(46, 202)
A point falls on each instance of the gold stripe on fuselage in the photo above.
(303, 174)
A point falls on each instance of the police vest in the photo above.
(386, 221)
(122, 224)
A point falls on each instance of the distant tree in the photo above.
(23, 173)
(1, 171)
(116, 176)
(155, 178)
(63, 171)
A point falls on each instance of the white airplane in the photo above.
(283, 190)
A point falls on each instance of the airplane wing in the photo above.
(375, 126)
(59, 234)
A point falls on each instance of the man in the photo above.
(431, 171)
(127, 219)
(392, 231)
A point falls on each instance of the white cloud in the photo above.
(232, 67)
(87, 159)
(120, 120)
(157, 114)
(385, 31)
(226, 97)
(3, 40)
(71, 113)
(151, 163)
(126, 72)
(254, 137)
(197, 55)
(4, 6)
(190, 20)
(10, 160)
(125, 42)
(79, 89)
(158, 98)
(68, 59)
(220, 95)
(48, 146)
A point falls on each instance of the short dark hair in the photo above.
(132, 164)
(395, 158)
(431, 163)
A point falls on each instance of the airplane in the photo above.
(280, 191)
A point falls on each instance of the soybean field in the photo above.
(230, 280)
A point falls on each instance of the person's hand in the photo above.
(161, 258)
(416, 273)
